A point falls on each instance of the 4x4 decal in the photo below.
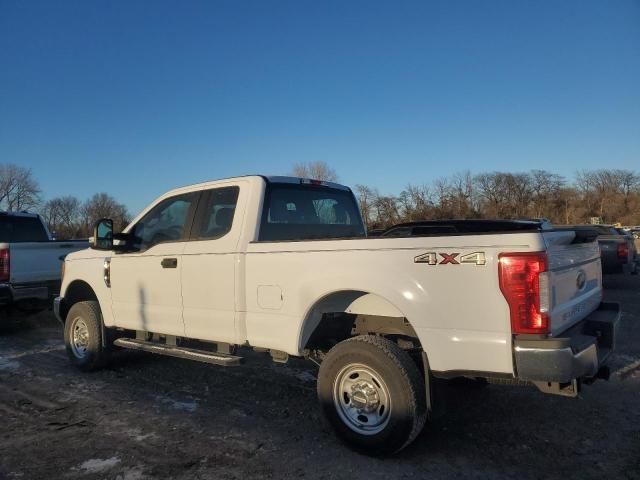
(431, 258)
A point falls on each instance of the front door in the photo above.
(145, 283)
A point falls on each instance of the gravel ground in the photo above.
(155, 417)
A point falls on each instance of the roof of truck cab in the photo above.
(267, 178)
(19, 214)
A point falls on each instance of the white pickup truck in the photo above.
(30, 263)
(283, 265)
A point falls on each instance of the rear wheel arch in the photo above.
(346, 313)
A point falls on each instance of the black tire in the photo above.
(85, 349)
(394, 375)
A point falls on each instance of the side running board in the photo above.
(180, 352)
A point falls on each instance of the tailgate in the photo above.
(574, 279)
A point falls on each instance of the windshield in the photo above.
(306, 212)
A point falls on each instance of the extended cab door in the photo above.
(145, 283)
(209, 265)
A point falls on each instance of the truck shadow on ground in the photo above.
(620, 282)
(18, 324)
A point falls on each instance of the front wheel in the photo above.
(373, 394)
(83, 336)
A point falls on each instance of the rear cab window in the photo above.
(309, 212)
(18, 229)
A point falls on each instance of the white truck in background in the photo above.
(30, 263)
(283, 265)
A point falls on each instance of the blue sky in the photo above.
(137, 97)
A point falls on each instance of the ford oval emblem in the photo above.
(581, 280)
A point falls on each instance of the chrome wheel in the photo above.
(362, 399)
(79, 338)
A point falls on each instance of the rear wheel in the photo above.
(373, 394)
(83, 336)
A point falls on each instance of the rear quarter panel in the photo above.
(457, 310)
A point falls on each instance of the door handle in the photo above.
(169, 263)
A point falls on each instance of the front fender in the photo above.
(90, 271)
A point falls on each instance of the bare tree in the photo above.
(103, 205)
(568, 207)
(387, 212)
(584, 186)
(366, 200)
(315, 170)
(443, 198)
(415, 202)
(62, 215)
(546, 192)
(463, 192)
(18, 189)
(518, 193)
(609, 194)
(492, 191)
(629, 182)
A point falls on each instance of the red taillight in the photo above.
(311, 181)
(623, 252)
(520, 284)
(5, 270)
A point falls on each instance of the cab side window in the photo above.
(215, 213)
(166, 222)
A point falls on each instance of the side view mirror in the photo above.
(102, 235)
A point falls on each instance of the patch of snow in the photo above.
(628, 368)
(138, 436)
(95, 465)
(6, 364)
(306, 376)
(27, 353)
(131, 474)
(236, 412)
(185, 406)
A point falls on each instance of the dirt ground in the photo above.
(154, 417)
